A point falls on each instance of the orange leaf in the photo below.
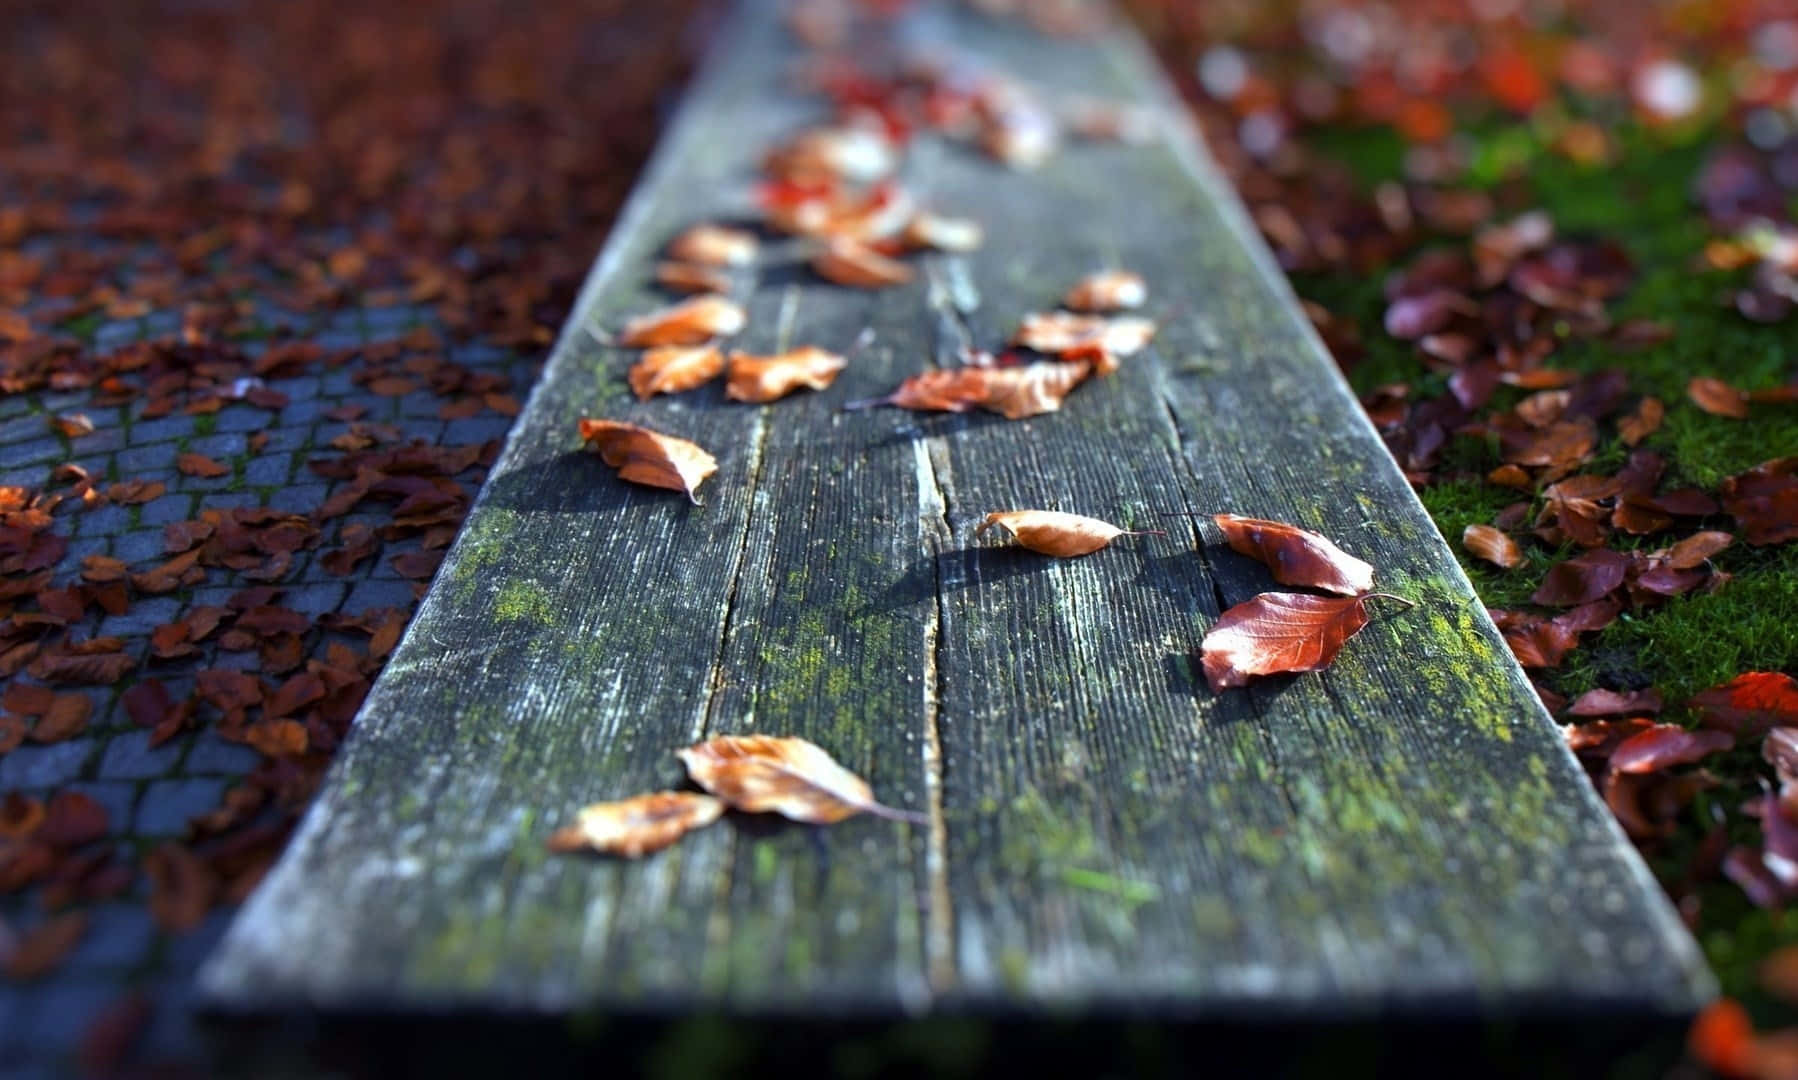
(787, 776)
(1059, 331)
(1486, 542)
(1012, 392)
(691, 278)
(1279, 632)
(1296, 556)
(1722, 1038)
(927, 231)
(1752, 701)
(646, 457)
(765, 378)
(714, 245)
(66, 718)
(1717, 397)
(1111, 290)
(1642, 423)
(670, 369)
(201, 465)
(690, 322)
(1697, 549)
(1664, 745)
(1053, 533)
(637, 826)
(850, 262)
(73, 425)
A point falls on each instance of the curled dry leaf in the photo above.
(1054, 533)
(1012, 392)
(1279, 632)
(669, 369)
(786, 776)
(637, 826)
(714, 245)
(690, 322)
(691, 278)
(1111, 290)
(1060, 331)
(1296, 556)
(647, 457)
(933, 232)
(1718, 398)
(1486, 542)
(850, 262)
(766, 378)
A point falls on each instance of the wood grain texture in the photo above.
(1404, 830)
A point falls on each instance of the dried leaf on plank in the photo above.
(766, 378)
(1054, 533)
(1277, 633)
(850, 262)
(1296, 556)
(685, 277)
(783, 775)
(690, 322)
(714, 245)
(670, 369)
(1012, 392)
(648, 457)
(637, 826)
(1110, 290)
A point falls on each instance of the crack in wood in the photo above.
(939, 914)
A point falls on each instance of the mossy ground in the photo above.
(1642, 200)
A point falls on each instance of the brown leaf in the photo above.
(201, 465)
(1665, 745)
(1582, 579)
(72, 425)
(767, 378)
(41, 949)
(637, 826)
(277, 738)
(1013, 392)
(714, 245)
(1296, 556)
(691, 278)
(853, 263)
(1642, 423)
(1059, 332)
(1718, 398)
(690, 322)
(786, 776)
(1110, 290)
(182, 888)
(642, 456)
(1485, 542)
(933, 232)
(670, 369)
(66, 718)
(1054, 533)
(1279, 632)
(99, 569)
(1764, 501)
(1697, 549)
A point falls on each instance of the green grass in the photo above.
(1641, 200)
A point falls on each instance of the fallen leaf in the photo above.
(691, 278)
(670, 369)
(182, 888)
(1582, 579)
(1012, 392)
(1054, 533)
(201, 465)
(1279, 632)
(642, 456)
(73, 425)
(1722, 1038)
(1603, 702)
(1752, 701)
(1296, 556)
(936, 233)
(714, 245)
(43, 947)
(767, 378)
(1697, 549)
(850, 262)
(1059, 332)
(1718, 398)
(637, 826)
(1764, 501)
(1486, 542)
(787, 776)
(1642, 423)
(690, 322)
(66, 718)
(1111, 290)
(1666, 745)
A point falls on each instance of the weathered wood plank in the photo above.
(1405, 828)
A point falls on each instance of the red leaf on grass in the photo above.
(1582, 579)
(1665, 745)
(1764, 501)
(1296, 556)
(1752, 701)
(1279, 632)
(1718, 398)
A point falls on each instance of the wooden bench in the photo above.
(1403, 833)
